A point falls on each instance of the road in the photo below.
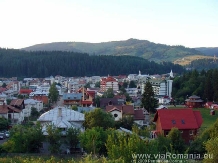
(2, 141)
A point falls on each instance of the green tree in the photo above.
(53, 93)
(176, 140)
(97, 84)
(98, 118)
(54, 138)
(34, 113)
(212, 152)
(24, 139)
(132, 84)
(149, 102)
(4, 85)
(109, 93)
(72, 137)
(4, 124)
(127, 146)
(74, 107)
(126, 121)
(93, 140)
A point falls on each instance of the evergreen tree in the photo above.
(149, 102)
(53, 93)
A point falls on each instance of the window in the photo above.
(115, 115)
(173, 122)
(191, 132)
(183, 121)
(166, 133)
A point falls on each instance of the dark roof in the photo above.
(127, 109)
(194, 96)
(182, 118)
(139, 115)
(17, 102)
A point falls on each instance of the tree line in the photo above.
(44, 63)
(203, 84)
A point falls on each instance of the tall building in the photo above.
(108, 82)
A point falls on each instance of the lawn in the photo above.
(208, 119)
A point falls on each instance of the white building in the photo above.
(107, 83)
(63, 118)
(31, 103)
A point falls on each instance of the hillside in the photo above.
(21, 63)
(208, 51)
(132, 47)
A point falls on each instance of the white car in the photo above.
(2, 135)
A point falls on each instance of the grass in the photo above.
(208, 119)
(187, 60)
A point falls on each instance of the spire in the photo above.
(171, 73)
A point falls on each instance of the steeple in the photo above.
(171, 73)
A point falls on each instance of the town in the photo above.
(140, 104)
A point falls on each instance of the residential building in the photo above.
(31, 103)
(71, 99)
(194, 102)
(121, 111)
(107, 83)
(188, 122)
(62, 118)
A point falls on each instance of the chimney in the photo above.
(59, 112)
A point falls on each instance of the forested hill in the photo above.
(132, 47)
(208, 51)
(43, 63)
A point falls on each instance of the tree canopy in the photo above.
(98, 118)
(149, 102)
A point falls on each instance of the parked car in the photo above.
(2, 135)
(7, 134)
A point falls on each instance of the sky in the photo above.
(191, 23)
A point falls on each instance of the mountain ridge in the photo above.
(133, 47)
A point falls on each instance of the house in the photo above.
(43, 98)
(194, 102)
(87, 96)
(18, 103)
(108, 101)
(25, 91)
(31, 103)
(120, 111)
(71, 99)
(188, 121)
(62, 118)
(11, 113)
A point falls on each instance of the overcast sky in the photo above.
(192, 23)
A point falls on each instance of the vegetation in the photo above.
(72, 137)
(149, 102)
(53, 93)
(3, 124)
(203, 84)
(24, 139)
(206, 64)
(24, 64)
(98, 118)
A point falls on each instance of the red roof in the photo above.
(179, 118)
(17, 102)
(25, 91)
